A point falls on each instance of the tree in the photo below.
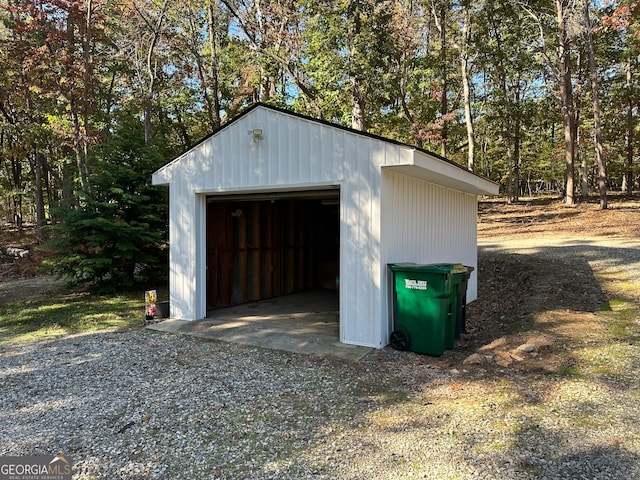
(602, 172)
(566, 96)
(466, 83)
(116, 233)
(492, 84)
(510, 71)
(631, 122)
(349, 56)
(152, 17)
(624, 22)
(439, 10)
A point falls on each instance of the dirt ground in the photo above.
(552, 297)
(522, 299)
(549, 216)
(12, 268)
(21, 278)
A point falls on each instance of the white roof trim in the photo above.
(435, 170)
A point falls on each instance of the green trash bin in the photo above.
(457, 299)
(422, 307)
(461, 310)
(460, 279)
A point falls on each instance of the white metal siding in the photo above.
(181, 235)
(385, 216)
(360, 306)
(426, 223)
(290, 153)
(293, 154)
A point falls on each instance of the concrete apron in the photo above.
(306, 323)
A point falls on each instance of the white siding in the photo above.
(289, 154)
(426, 223)
(360, 288)
(181, 268)
(385, 217)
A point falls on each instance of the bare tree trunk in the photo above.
(81, 153)
(510, 195)
(16, 175)
(584, 169)
(52, 192)
(215, 84)
(516, 143)
(156, 28)
(67, 175)
(566, 94)
(507, 134)
(358, 119)
(88, 72)
(580, 159)
(602, 171)
(40, 214)
(464, 59)
(407, 113)
(79, 113)
(182, 129)
(444, 107)
(201, 71)
(630, 131)
(357, 106)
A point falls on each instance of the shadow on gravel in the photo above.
(514, 287)
(544, 453)
(621, 253)
(139, 405)
(612, 461)
(555, 291)
(555, 288)
(552, 297)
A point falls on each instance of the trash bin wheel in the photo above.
(399, 340)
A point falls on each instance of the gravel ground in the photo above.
(602, 253)
(147, 405)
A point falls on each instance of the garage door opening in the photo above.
(262, 246)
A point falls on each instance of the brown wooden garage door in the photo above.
(258, 249)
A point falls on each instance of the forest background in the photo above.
(538, 95)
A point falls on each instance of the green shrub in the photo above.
(115, 233)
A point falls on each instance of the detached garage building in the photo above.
(275, 202)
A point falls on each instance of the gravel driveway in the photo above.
(602, 253)
(141, 404)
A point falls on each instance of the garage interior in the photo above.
(268, 245)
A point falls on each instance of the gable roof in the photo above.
(444, 175)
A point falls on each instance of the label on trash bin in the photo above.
(411, 284)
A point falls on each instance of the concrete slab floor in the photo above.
(306, 323)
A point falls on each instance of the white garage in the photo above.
(275, 202)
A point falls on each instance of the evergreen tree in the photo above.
(115, 235)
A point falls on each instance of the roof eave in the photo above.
(435, 170)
